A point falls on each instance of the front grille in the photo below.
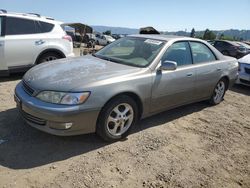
(245, 81)
(33, 119)
(247, 70)
(27, 88)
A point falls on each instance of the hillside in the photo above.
(244, 34)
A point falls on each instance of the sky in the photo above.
(164, 15)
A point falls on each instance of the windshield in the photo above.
(139, 52)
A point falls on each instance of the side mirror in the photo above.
(168, 65)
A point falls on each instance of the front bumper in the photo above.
(55, 119)
(243, 79)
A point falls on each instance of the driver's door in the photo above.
(173, 88)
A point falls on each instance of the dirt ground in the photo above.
(193, 146)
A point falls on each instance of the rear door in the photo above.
(177, 87)
(23, 41)
(208, 69)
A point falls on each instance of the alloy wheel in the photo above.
(219, 92)
(120, 119)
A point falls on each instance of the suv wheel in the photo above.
(50, 56)
(219, 92)
(117, 118)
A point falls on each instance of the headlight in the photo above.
(63, 97)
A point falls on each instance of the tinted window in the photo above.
(178, 52)
(45, 27)
(19, 26)
(0, 26)
(201, 53)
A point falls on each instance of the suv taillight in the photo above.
(67, 37)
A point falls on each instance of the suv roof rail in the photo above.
(38, 15)
(3, 11)
(49, 18)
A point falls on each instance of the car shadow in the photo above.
(245, 90)
(24, 147)
(12, 77)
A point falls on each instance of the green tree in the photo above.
(108, 32)
(222, 36)
(209, 35)
(192, 34)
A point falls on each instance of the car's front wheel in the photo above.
(219, 92)
(117, 118)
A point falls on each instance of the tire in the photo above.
(49, 56)
(113, 122)
(219, 92)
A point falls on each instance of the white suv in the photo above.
(29, 39)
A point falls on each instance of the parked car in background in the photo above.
(246, 46)
(103, 39)
(30, 39)
(117, 36)
(109, 38)
(244, 70)
(229, 48)
(132, 78)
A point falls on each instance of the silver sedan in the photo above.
(132, 78)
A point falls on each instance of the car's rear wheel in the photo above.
(50, 56)
(117, 118)
(219, 92)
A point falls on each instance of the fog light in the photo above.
(68, 125)
(60, 126)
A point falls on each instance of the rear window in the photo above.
(1, 26)
(201, 53)
(20, 26)
(45, 27)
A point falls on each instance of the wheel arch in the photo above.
(227, 81)
(50, 50)
(134, 96)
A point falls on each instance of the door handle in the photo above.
(39, 42)
(189, 74)
(218, 69)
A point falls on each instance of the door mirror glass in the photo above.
(168, 65)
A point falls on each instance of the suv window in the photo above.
(180, 53)
(20, 26)
(45, 27)
(1, 26)
(201, 53)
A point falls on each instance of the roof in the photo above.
(160, 36)
(32, 16)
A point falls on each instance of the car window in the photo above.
(19, 26)
(0, 26)
(45, 27)
(219, 44)
(133, 51)
(178, 52)
(201, 53)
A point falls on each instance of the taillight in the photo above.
(67, 37)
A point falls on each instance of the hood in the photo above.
(74, 73)
(245, 59)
